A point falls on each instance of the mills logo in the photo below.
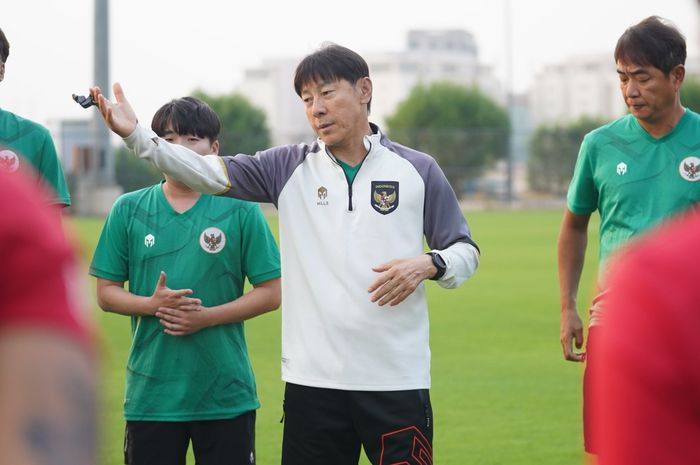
(322, 194)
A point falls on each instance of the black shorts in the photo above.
(329, 426)
(213, 441)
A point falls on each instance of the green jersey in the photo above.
(211, 248)
(22, 140)
(633, 179)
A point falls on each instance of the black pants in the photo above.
(214, 442)
(328, 426)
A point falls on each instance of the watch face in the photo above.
(438, 261)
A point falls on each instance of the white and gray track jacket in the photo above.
(331, 235)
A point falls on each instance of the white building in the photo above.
(581, 86)
(74, 144)
(430, 56)
(586, 85)
(271, 88)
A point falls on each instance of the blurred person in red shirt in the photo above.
(649, 383)
(47, 380)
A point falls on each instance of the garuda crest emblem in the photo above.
(9, 161)
(385, 196)
(212, 240)
(689, 169)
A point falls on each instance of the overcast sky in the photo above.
(162, 49)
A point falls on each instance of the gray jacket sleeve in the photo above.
(446, 228)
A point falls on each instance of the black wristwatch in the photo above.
(439, 263)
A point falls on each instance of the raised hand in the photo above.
(163, 296)
(118, 116)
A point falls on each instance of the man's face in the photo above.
(337, 111)
(202, 146)
(648, 92)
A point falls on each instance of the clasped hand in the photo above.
(180, 314)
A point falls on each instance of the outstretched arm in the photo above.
(573, 239)
(205, 174)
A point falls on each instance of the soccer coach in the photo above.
(354, 210)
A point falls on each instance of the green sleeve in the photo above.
(51, 170)
(111, 258)
(582, 197)
(260, 255)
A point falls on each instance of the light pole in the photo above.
(101, 147)
(96, 188)
(509, 101)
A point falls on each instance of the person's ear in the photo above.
(365, 87)
(215, 147)
(677, 76)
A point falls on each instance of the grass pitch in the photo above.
(501, 391)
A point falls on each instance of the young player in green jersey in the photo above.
(186, 257)
(24, 142)
(636, 171)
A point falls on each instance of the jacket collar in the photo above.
(371, 141)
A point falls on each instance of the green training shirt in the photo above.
(633, 179)
(211, 248)
(22, 140)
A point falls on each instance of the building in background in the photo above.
(76, 147)
(270, 87)
(582, 86)
(74, 143)
(565, 92)
(429, 56)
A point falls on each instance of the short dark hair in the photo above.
(654, 41)
(4, 47)
(332, 62)
(187, 115)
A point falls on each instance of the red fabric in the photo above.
(649, 378)
(38, 281)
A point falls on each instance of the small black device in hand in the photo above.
(85, 102)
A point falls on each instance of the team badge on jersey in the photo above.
(149, 241)
(621, 168)
(212, 240)
(690, 169)
(9, 161)
(385, 196)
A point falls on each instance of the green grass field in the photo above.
(501, 391)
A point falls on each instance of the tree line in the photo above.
(466, 131)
